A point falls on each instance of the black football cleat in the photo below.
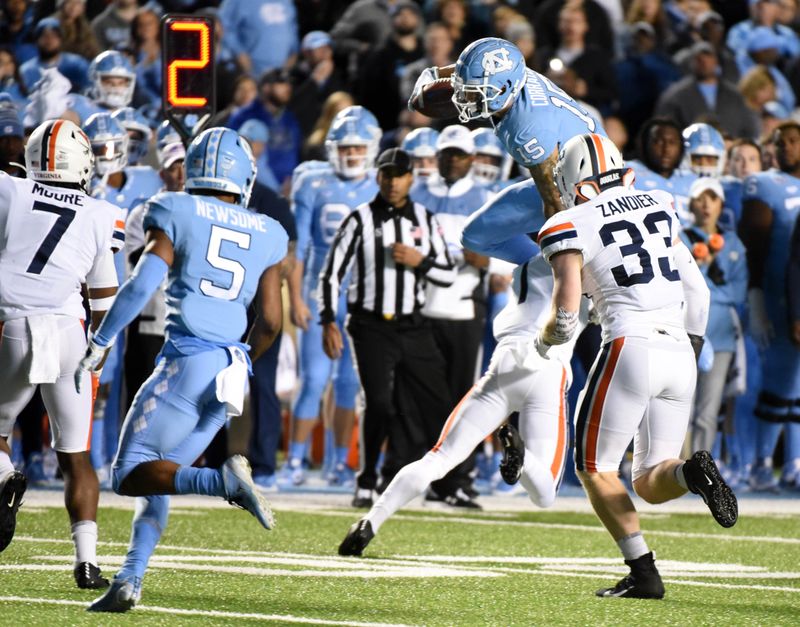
(513, 454)
(643, 582)
(89, 577)
(362, 498)
(10, 499)
(357, 539)
(703, 478)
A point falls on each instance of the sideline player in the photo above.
(53, 238)
(217, 255)
(622, 248)
(320, 203)
(531, 115)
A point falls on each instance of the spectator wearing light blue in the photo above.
(49, 54)
(257, 135)
(763, 47)
(262, 33)
(285, 138)
(764, 13)
(721, 257)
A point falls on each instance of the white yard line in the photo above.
(210, 613)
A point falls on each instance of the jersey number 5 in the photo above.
(214, 257)
(636, 247)
(53, 237)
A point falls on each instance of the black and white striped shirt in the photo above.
(379, 285)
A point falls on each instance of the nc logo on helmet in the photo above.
(496, 61)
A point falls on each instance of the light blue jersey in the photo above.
(732, 208)
(221, 251)
(321, 201)
(541, 119)
(141, 183)
(781, 360)
(678, 185)
(84, 107)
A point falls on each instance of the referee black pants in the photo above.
(459, 341)
(407, 396)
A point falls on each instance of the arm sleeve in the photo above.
(695, 291)
(303, 210)
(103, 273)
(437, 266)
(132, 297)
(337, 263)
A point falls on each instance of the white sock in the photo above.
(680, 477)
(6, 467)
(633, 546)
(84, 535)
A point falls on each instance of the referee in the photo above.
(394, 247)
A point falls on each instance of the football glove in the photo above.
(429, 75)
(760, 325)
(541, 346)
(92, 362)
(697, 345)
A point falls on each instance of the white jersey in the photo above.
(629, 271)
(50, 239)
(528, 308)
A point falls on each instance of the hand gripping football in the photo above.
(434, 100)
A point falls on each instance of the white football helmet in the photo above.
(58, 152)
(588, 165)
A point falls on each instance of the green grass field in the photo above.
(217, 566)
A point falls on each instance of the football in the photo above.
(435, 99)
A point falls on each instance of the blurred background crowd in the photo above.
(699, 95)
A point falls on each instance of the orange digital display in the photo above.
(188, 64)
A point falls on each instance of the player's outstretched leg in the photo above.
(643, 582)
(357, 538)
(703, 478)
(513, 454)
(10, 499)
(242, 492)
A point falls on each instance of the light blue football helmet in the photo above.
(703, 140)
(139, 132)
(489, 75)
(218, 159)
(351, 131)
(420, 144)
(357, 111)
(487, 144)
(112, 64)
(109, 143)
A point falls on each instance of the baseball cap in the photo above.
(315, 39)
(456, 136)
(10, 124)
(276, 75)
(255, 131)
(395, 159)
(763, 38)
(702, 47)
(707, 16)
(48, 23)
(404, 4)
(170, 154)
(706, 184)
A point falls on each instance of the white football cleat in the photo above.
(240, 490)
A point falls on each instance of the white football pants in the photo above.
(537, 393)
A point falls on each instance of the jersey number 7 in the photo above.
(636, 247)
(53, 237)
